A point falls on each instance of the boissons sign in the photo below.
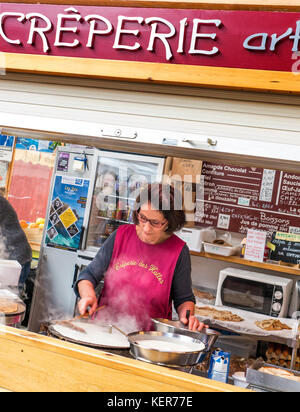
(237, 39)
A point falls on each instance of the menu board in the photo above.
(238, 198)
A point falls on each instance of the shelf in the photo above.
(131, 199)
(238, 260)
(113, 219)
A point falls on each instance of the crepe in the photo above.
(95, 334)
(223, 315)
(279, 372)
(8, 306)
(271, 325)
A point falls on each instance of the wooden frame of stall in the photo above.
(203, 76)
(36, 363)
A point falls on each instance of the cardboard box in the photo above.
(188, 200)
(186, 169)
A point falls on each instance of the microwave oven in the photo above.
(254, 292)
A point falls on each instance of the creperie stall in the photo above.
(202, 96)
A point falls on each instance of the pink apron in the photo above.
(139, 278)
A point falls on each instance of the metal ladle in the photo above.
(120, 330)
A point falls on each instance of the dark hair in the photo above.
(165, 199)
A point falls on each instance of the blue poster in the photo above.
(67, 212)
(6, 141)
(34, 144)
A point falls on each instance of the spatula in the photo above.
(68, 323)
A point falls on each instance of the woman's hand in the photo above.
(193, 323)
(88, 298)
(84, 303)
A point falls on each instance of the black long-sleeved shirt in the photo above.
(181, 289)
(13, 241)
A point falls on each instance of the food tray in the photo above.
(270, 383)
(248, 326)
(221, 250)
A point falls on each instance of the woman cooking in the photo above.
(146, 266)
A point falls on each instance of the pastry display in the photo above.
(282, 373)
(272, 325)
(8, 306)
(223, 315)
(203, 295)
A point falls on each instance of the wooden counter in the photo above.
(36, 363)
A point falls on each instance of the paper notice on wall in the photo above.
(255, 245)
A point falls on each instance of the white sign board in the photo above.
(255, 245)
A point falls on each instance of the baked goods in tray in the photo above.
(212, 313)
(8, 306)
(272, 325)
(279, 372)
(203, 295)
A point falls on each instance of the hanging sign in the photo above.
(239, 198)
(237, 39)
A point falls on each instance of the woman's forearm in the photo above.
(86, 289)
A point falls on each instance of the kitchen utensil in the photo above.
(166, 357)
(120, 330)
(70, 325)
(87, 315)
(206, 335)
(188, 313)
(68, 322)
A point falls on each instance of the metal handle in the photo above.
(75, 275)
(188, 313)
(110, 132)
(211, 141)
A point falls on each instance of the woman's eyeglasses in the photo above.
(155, 223)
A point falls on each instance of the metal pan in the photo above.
(164, 357)
(206, 336)
(270, 383)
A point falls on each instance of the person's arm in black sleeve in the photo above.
(181, 289)
(94, 272)
(182, 292)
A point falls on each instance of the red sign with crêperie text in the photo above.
(237, 39)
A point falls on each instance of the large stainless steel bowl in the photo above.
(206, 336)
(164, 357)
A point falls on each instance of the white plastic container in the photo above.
(221, 250)
(195, 237)
(239, 379)
(10, 271)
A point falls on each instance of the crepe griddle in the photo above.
(54, 332)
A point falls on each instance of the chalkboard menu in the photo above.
(286, 247)
(239, 198)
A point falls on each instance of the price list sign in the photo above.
(242, 198)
